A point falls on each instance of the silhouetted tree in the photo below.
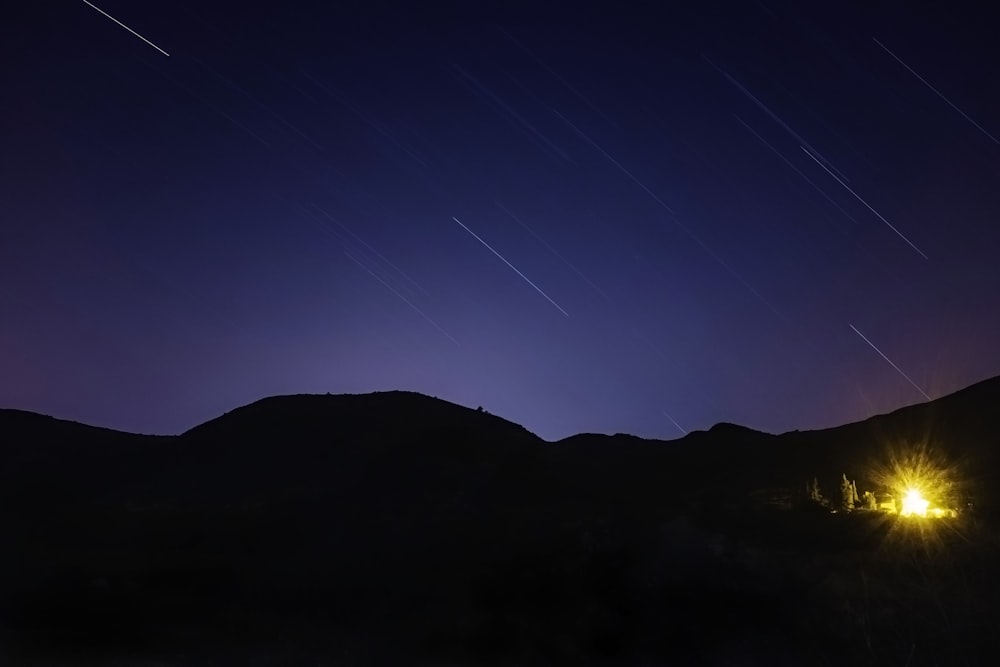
(847, 493)
(812, 491)
(869, 501)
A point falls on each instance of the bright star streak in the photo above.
(613, 161)
(232, 84)
(795, 169)
(936, 92)
(898, 369)
(775, 117)
(673, 216)
(214, 108)
(370, 264)
(815, 187)
(858, 197)
(524, 277)
(405, 300)
(513, 114)
(674, 422)
(376, 252)
(553, 251)
(554, 73)
(126, 27)
(364, 117)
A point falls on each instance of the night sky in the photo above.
(642, 221)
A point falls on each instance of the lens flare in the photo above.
(914, 504)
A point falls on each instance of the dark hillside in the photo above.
(392, 525)
(47, 460)
(959, 433)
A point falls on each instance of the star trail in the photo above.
(104, 13)
(645, 221)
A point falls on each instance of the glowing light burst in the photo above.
(914, 504)
(928, 481)
(931, 484)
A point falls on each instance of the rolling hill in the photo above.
(369, 527)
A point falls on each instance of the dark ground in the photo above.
(779, 588)
(397, 529)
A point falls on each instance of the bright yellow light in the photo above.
(942, 513)
(914, 504)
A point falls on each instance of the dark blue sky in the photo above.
(608, 221)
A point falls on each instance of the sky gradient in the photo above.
(644, 222)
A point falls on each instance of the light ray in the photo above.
(126, 27)
(898, 369)
(553, 251)
(613, 161)
(796, 169)
(364, 117)
(551, 71)
(823, 193)
(775, 117)
(404, 299)
(513, 114)
(214, 108)
(376, 252)
(936, 92)
(371, 262)
(858, 197)
(232, 84)
(674, 422)
(673, 216)
(502, 259)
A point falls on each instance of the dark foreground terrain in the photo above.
(399, 529)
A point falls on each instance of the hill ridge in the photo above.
(21, 417)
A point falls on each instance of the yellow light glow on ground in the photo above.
(914, 504)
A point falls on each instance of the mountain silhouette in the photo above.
(390, 525)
